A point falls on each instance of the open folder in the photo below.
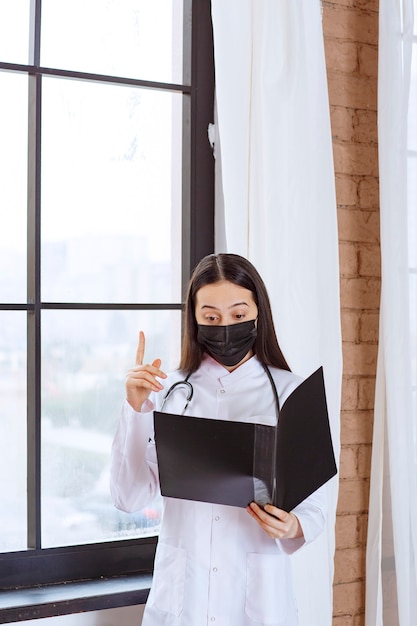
(235, 463)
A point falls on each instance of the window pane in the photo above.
(14, 31)
(86, 355)
(13, 186)
(13, 516)
(111, 193)
(134, 38)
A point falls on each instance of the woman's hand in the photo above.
(141, 379)
(277, 523)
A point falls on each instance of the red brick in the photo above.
(360, 293)
(348, 598)
(359, 359)
(332, 3)
(353, 496)
(346, 531)
(365, 127)
(362, 529)
(342, 120)
(346, 191)
(351, 530)
(349, 620)
(364, 461)
(366, 396)
(368, 60)
(350, 323)
(348, 259)
(351, 24)
(356, 426)
(369, 5)
(349, 565)
(350, 393)
(369, 327)
(358, 226)
(368, 192)
(369, 260)
(348, 467)
(352, 90)
(355, 159)
(342, 55)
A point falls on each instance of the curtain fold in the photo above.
(391, 584)
(275, 204)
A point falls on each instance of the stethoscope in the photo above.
(181, 383)
(190, 391)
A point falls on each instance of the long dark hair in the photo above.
(238, 270)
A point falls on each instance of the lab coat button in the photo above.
(212, 619)
(217, 518)
(222, 391)
(214, 569)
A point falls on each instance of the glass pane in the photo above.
(111, 193)
(86, 355)
(13, 528)
(14, 31)
(134, 38)
(13, 186)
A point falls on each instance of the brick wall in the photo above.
(351, 36)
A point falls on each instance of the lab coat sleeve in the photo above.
(134, 478)
(312, 515)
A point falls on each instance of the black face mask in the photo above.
(228, 344)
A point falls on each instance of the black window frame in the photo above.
(41, 566)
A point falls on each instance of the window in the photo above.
(106, 204)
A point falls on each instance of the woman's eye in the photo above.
(239, 316)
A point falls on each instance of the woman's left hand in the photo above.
(277, 523)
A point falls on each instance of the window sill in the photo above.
(62, 599)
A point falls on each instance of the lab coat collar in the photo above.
(215, 369)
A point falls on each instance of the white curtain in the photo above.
(391, 582)
(276, 206)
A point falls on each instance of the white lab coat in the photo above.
(214, 565)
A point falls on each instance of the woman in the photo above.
(215, 564)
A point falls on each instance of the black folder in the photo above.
(235, 463)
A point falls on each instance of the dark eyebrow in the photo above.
(209, 306)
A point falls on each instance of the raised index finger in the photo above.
(140, 352)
